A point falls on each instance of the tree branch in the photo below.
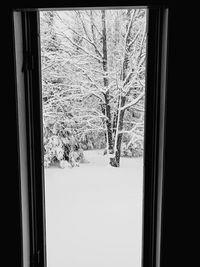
(89, 41)
(83, 49)
(134, 39)
(133, 102)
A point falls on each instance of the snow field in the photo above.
(94, 213)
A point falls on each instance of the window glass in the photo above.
(93, 65)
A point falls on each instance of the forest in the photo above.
(93, 66)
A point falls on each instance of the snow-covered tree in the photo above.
(94, 79)
(60, 143)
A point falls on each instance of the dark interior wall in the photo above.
(10, 216)
(182, 47)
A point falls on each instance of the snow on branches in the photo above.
(93, 75)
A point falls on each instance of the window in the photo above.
(93, 64)
(30, 97)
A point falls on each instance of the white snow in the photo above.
(94, 213)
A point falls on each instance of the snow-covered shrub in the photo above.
(126, 151)
(93, 140)
(64, 164)
(84, 146)
(133, 150)
(53, 150)
(60, 147)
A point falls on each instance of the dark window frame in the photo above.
(154, 133)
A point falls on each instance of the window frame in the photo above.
(154, 137)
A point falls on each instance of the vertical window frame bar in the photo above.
(154, 140)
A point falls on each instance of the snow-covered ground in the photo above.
(94, 213)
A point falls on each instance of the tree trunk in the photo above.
(105, 82)
(119, 135)
(109, 126)
(115, 119)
